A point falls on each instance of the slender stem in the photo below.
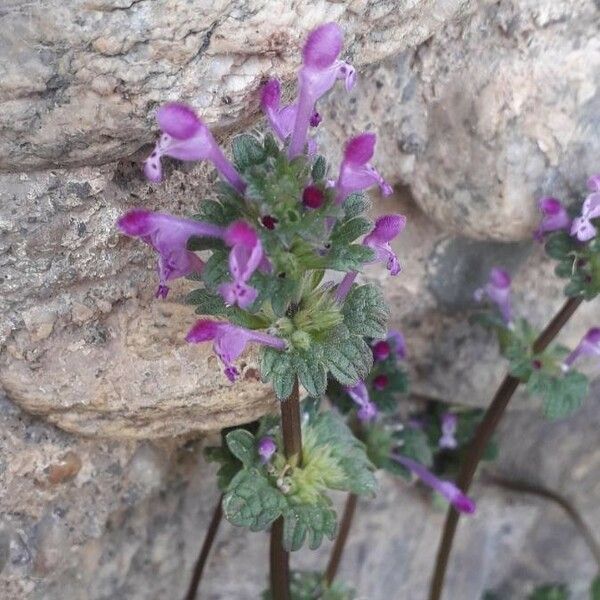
(209, 539)
(482, 436)
(537, 490)
(342, 537)
(292, 446)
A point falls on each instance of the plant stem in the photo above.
(340, 540)
(209, 539)
(292, 447)
(480, 440)
(537, 490)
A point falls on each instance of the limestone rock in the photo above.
(82, 78)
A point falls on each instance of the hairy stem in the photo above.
(341, 539)
(209, 539)
(533, 489)
(482, 436)
(292, 446)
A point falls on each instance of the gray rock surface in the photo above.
(81, 78)
(129, 525)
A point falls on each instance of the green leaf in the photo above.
(349, 230)
(347, 357)
(562, 395)
(229, 465)
(276, 366)
(242, 445)
(595, 589)
(251, 501)
(552, 591)
(355, 205)
(206, 302)
(559, 245)
(319, 168)
(216, 270)
(416, 446)
(349, 258)
(311, 372)
(220, 212)
(247, 152)
(312, 521)
(365, 312)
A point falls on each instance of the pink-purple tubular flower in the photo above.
(386, 229)
(589, 346)
(356, 173)
(266, 448)
(229, 341)
(582, 227)
(282, 118)
(320, 70)
(245, 257)
(497, 290)
(555, 217)
(399, 343)
(168, 235)
(460, 501)
(448, 437)
(186, 137)
(367, 411)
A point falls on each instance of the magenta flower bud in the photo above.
(269, 222)
(168, 235)
(356, 173)
(555, 217)
(266, 448)
(229, 341)
(185, 137)
(367, 411)
(381, 350)
(589, 346)
(498, 291)
(313, 197)
(582, 227)
(380, 382)
(320, 70)
(385, 230)
(449, 424)
(458, 499)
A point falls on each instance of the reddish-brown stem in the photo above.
(209, 539)
(341, 539)
(292, 446)
(482, 436)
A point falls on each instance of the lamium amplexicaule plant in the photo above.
(283, 237)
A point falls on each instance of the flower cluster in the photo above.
(276, 225)
(549, 373)
(571, 237)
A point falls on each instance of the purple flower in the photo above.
(555, 217)
(229, 341)
(593, 183)
(497, 290)
(282, 118)
(186, 137)
(245, 257)
(458, 499)
(168, 235)
(360, 395)
(448, 437)
(582, 226)
(356, 173)
(386, 229)
(380, 382)
(320, 70)
(589, 346)
(266, 448)
(399, 343)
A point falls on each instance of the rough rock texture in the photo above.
(81, 78)
(129, 523)
(491, 113)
